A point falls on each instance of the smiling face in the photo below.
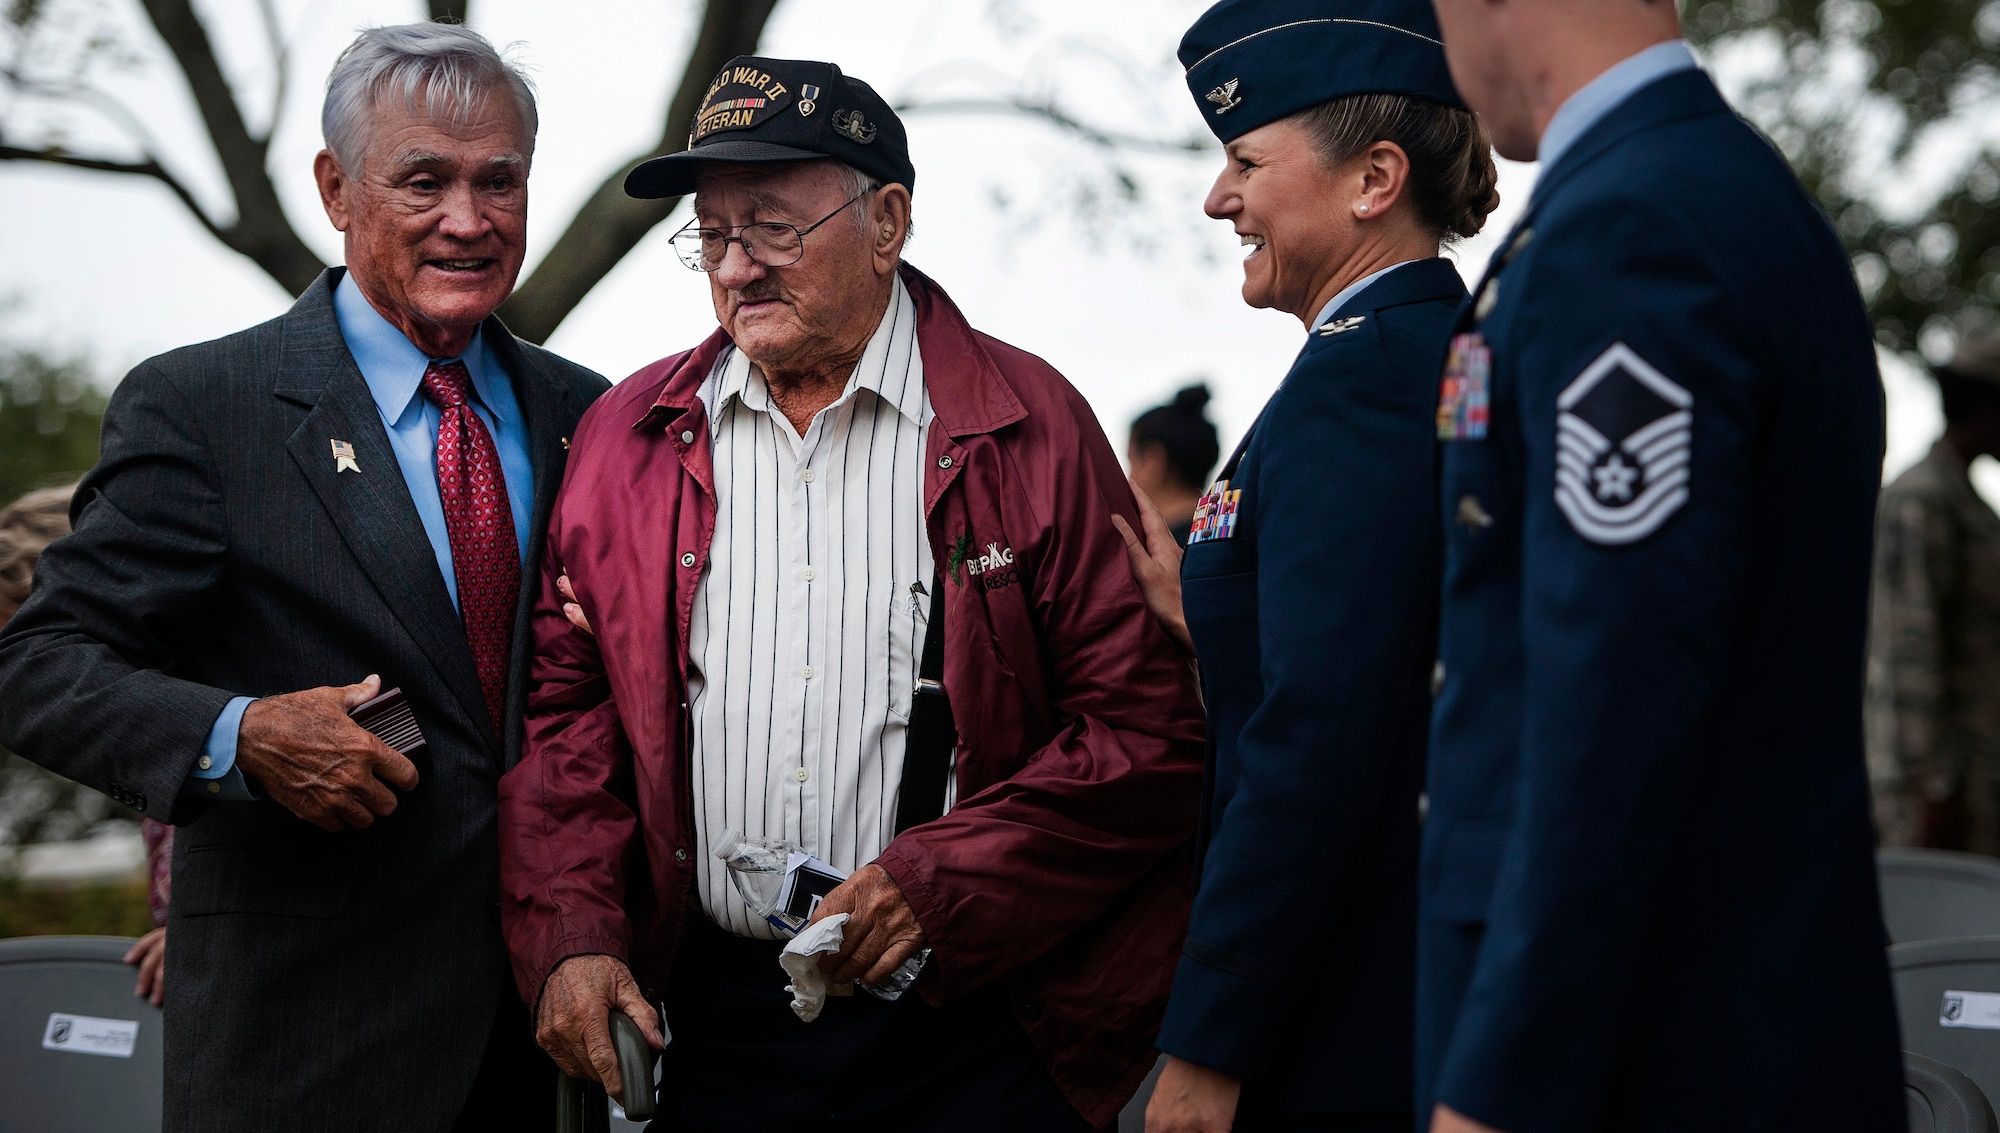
(435, 218)
(1292, 213)
(820, 312)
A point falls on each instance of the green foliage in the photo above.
(50, 413)
(101, 909)
(1867, 98)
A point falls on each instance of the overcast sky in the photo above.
(1129, 304)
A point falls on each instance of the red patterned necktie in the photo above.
(485, 557)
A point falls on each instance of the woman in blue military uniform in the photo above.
(1310, 583)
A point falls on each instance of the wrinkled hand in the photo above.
(1191, 1098)
(573, 1021)
(572, 609)
(1156, 567)
(1445, 1119)
(149, 955)
(881, 931)
(305, 752)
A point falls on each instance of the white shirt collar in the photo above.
(1601, 95)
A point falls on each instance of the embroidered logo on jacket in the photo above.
(1624, 434)
(993, 570)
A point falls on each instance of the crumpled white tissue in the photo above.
(801, 961)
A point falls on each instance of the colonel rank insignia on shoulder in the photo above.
(1624, 433)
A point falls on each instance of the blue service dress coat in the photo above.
(1313, 612)
(1648, 889)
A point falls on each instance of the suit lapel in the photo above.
(544, 400)
(371, 508)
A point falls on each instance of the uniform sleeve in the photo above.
(1346, 591)
(1630, 618)
(1002, 879)
(1915, 563)
(85, 664)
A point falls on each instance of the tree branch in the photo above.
(610, 224)
(261, 230)
(1107, 139)
(147, 168)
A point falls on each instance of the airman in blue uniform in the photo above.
(1311, 572)
(1648, 891)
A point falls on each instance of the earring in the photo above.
(1364, 209)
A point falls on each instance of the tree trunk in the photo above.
(610, 224)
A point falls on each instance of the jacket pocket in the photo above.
(247, 879)
(1462, 871)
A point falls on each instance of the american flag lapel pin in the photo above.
(343, 458)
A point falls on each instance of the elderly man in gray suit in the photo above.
(285, 522)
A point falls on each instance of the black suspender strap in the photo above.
(932, 735)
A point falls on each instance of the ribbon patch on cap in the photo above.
(739, 98)
(1624, 434)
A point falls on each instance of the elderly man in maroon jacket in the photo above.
(758, 531)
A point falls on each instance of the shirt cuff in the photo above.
(215, 776)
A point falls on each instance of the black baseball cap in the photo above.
(760, 109)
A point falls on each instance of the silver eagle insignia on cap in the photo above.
(1225, 97)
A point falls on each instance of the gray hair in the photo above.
(444, 69)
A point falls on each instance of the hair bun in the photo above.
(1192, 399)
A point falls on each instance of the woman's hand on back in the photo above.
(1156, 567)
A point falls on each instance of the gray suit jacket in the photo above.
(315, 981)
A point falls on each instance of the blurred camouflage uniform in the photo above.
(1933, 706)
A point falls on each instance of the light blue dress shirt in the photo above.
(394, 370)
(1350, 291)
(1598, 97)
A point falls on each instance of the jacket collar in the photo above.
(1417, 281)
(967, 392)
(1683, 94)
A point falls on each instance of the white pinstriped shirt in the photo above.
(804, 641)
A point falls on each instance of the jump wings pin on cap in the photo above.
(343, 458)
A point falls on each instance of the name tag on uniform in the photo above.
(1215, 514)
(1462, 401)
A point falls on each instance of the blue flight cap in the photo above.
(1252, 62)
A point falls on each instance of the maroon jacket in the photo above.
(1063, 870)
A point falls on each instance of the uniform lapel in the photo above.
(371, 508)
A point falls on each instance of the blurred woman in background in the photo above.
(1171, 451)
(1312, 568)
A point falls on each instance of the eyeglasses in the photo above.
(771, 243)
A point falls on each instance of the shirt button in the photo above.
(680, 855)
(801, 774)
(687, 559)
(214, 787)
(944, 462)
(807, 672)
(809, 475)
(687, 436)
(204, 763)
(807, 574)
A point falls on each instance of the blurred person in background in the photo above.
(1309, 587)
(1171, 450)
(347, 490)
(27, 527)
(1934, 643)
(850, 490)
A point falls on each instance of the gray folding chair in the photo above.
(1948, 1002)
(1942, 1100)
(78, 1051)
(583, 1107)
(1937, 894)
